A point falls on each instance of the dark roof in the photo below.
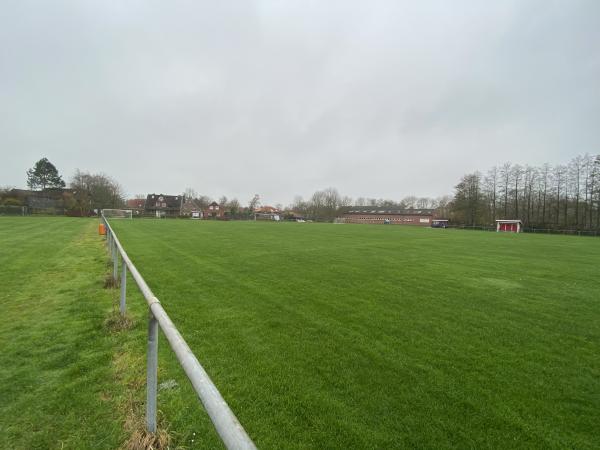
(48, 193)
(390, 210)
(214, 204)
(136, 203)
(155, 201)
(20, 193)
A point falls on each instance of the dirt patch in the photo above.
(110, 282)
(140, 439)
(116, 322)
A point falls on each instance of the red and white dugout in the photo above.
(510, 225)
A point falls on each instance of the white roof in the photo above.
(509, 221)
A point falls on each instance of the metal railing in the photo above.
(228, 427)
(593, 233)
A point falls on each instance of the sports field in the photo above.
(58, 386)
(359, 336)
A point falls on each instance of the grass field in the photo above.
(358, 336)
(57, 386)
(70, 378)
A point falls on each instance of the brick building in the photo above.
(213, 211)
(387, 215)
(136, 205)
(162, 205)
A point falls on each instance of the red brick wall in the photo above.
(207, 213)
(395, 219)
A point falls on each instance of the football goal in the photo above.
(117, 213)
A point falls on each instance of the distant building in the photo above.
(136, 205)
(267, 210)
(213, 211)
(292, 215)
(439, 223)
(161, 205)
(191, 208)
(267, 213)
(393, 216)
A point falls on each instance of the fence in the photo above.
(590, 233)
(229, 429)
(567, 232)
(13, 210)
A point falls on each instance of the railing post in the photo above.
(115, 262)
(122, 305)
(152, 374)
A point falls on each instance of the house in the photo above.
(136, 205)
(293, 216)
(161, 205)
(266, 210)
(192, 207)
(388, 215)
(213, 211)
(267, 213)
(509, 225)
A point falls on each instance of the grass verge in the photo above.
(72, 372)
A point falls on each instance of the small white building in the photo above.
(509, 225)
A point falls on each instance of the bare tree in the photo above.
(443, 206)
(467, 200)
(504, 185)
(203, 201)
(491, 188)
(530, 176)
(254, 203)
(190, 194)
(546, 172)
(516, 174)
(576, 172)
(95, 191)
(410, 201)
(557, 197)
(234, 206)
(558, 179)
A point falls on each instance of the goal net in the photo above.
(117, 213)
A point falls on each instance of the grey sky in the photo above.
(379, 99)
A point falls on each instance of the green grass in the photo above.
(318, 336)
(59, 387)
(357, 336)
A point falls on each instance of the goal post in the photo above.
(117, 213)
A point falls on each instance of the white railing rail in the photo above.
(228, 427)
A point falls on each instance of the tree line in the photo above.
(564, 196)
(322, 205)
(327, 204)
(86, 192)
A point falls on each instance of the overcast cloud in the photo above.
(377, 98)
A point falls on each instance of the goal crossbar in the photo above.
(117, 213)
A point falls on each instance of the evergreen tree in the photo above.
(44, 175)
